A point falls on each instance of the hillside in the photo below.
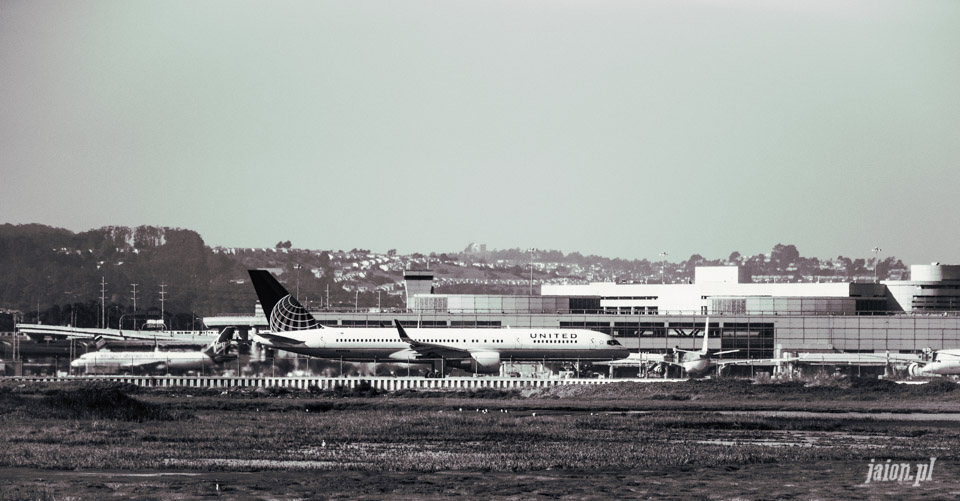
(59, 273)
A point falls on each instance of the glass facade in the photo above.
(758, 335)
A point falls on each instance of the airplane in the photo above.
(479, 351)
(704, 359)
(942, 362)
(213, 354)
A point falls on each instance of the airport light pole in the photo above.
(298, 281)
(876, 262)
(663, 261)
(531, 251)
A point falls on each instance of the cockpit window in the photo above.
(614, 342)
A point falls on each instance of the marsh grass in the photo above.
(32, 492)
(414, 440)
(68, 428)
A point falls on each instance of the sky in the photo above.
(618, 128)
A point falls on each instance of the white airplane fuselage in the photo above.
(369, 344)
(147, 359)
(945, 363)
(697, 367)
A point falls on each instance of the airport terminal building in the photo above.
(761, 320)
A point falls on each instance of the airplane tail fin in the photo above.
(403, 333)
(283, 311)
(222, 344)
(269, 291)
(226, 335)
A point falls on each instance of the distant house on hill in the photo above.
(475, 248)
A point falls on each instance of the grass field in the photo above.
(618, 440)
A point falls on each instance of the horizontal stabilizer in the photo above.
(278, 339)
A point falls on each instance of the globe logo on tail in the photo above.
(290, 315)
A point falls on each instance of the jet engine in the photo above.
(481, 362)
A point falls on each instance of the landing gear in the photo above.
(438, 371)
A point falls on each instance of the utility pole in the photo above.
(328, 296)
(356, 301)
(103, 303)
(134, 306)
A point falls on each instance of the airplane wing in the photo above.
(876, 359)
(755, 361)
(61, 331)
(78, 332)
(430, 350)
(894, 357)
(633, 360)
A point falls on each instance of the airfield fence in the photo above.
(329, 383)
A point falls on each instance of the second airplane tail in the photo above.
(221, 345)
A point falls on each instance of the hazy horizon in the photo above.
(616, 128)
(566, 252)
